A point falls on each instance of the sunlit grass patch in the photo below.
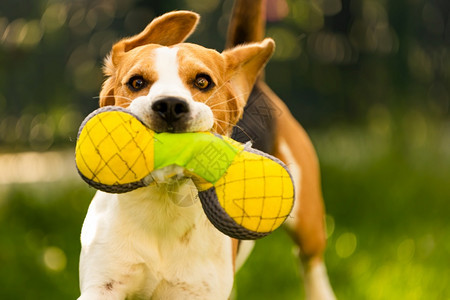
(395, 202)
(386, 190)
(387, 198)
(39, 232)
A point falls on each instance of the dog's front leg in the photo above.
(109, 267)
(103, 283)
(97, 284)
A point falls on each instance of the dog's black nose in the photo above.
(170, 109)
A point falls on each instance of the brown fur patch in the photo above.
(186, 237)
(109, 286)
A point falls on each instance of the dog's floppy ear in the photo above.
(107, 91)
(168, 29)
(244, 64)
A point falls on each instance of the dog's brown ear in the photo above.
(107, 94)
(168, 29)
(107, 91)
(244, 63)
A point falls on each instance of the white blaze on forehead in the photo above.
(169, 82)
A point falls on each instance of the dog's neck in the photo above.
(170, 201)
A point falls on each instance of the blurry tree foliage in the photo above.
(336, 60)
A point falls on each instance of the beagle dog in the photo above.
(156, 242)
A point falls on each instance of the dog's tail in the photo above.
(247, 23)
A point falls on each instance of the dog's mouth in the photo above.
(172, 114)
(161, 126)
(186, 122)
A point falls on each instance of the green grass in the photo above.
(387, 194)
(34, 221)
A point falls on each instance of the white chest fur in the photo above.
(144, 244)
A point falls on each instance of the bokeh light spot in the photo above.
(276, 10)
(288, 45)
(42, 133)
(331, 47)
(11, 36)
(66, 126)
(31, 33)
(346, 244)
(54, 17)
(307, 15)
(55, 259)
(420, 64)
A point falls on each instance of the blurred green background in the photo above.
(369, 80)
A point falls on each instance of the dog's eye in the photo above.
(136, 83)
(202, 81)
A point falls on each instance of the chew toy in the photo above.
(245, 193)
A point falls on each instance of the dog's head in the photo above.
(180, 87)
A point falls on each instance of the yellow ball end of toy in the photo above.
(253, 199)
(114, 149)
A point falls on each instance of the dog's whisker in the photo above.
(228, 100)
(223, 102)
(222, 121)
(225, 110)
(244, 132)
(218, 89)
(221, 128)
(218, 121)
(233, 125)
